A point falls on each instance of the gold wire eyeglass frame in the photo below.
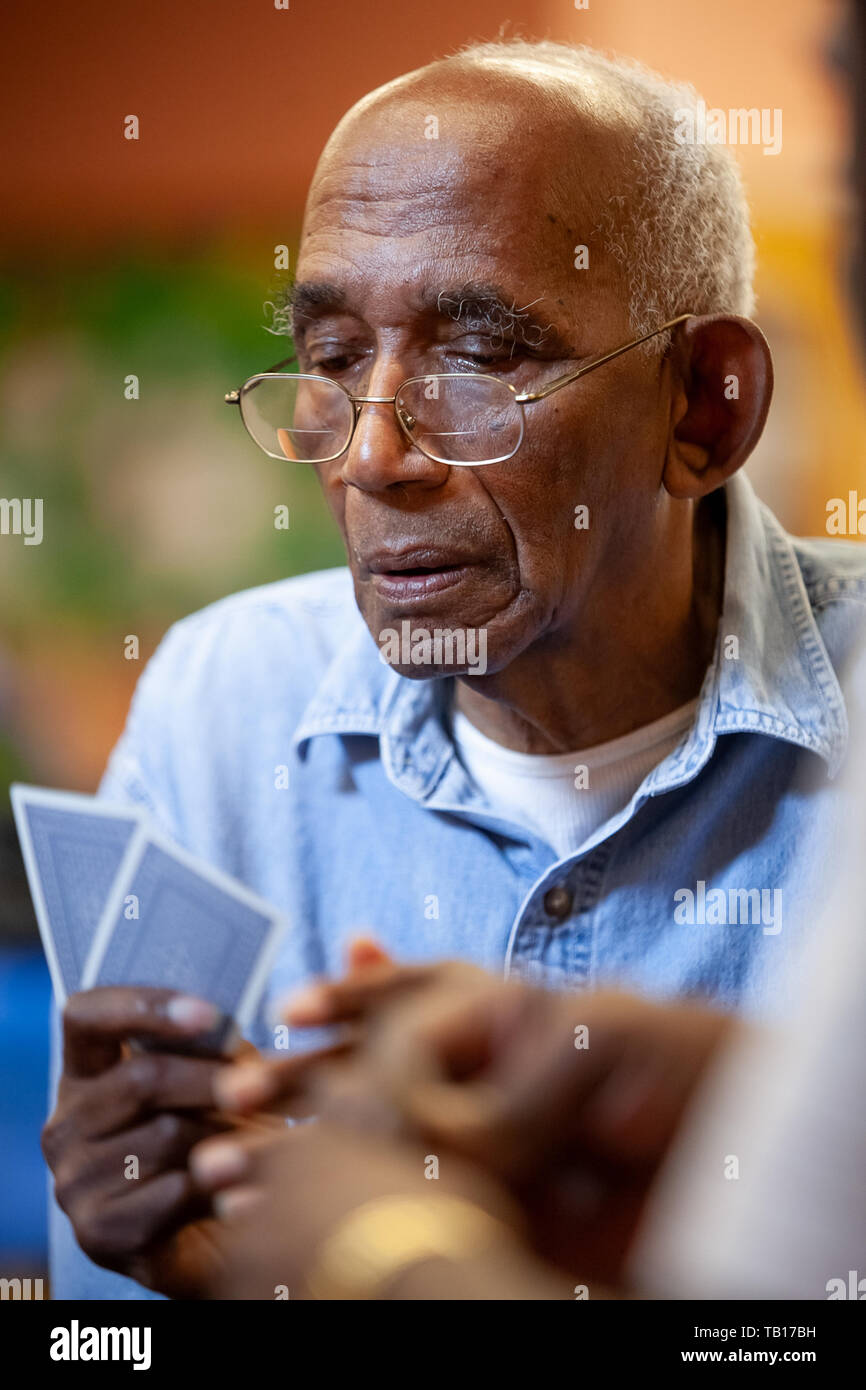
(522, 399)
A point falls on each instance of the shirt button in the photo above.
(558, 902)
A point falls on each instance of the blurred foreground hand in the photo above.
(334, 1214)
(569, 1100)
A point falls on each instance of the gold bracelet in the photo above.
(377, 1241)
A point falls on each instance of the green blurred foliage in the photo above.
(190, 328)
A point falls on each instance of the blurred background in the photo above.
(155, 258)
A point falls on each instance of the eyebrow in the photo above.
(479, 307)
(488, 308)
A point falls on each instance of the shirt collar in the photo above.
(783, 682)
(770, 673)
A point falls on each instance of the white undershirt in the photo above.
(565, 797)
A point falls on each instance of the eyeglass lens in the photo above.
(459, 419)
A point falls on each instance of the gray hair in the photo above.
(680, 228)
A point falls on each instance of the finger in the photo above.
(234, 1203)
(163, 1143)
(97, 1021)
(141, 1084)
(131, 1223)
(226, 1161)
(532, 1098)
(338, 1001)
(442, 1062)
(351, 1094)
(365, 951)
(418, 1053)
(112, 1166)
(250, 1086)
(617, 1091)
(542, 1093)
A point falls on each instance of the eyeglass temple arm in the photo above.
(234, 397)
(561, 381)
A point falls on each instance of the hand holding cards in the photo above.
(119, 904)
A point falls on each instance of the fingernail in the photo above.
(191, 1013)
(308, 1005)
(236, 1201)
(365, 941)
(218, 1163)
(365, 950)
(243, 1085)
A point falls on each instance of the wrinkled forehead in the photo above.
(488, 176)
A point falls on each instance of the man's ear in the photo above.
(720, 401)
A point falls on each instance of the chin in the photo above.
(430, 673)
(421, 651)
(435, 645)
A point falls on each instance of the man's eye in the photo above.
(487, 354)
(333, 363)
(331, 353)
(484, 358)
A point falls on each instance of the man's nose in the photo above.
(380, 456)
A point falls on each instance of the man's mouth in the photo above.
(414, 573)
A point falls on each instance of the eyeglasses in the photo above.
(465, 419)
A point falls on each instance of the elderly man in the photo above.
(560, 728)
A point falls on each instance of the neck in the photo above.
(642, 652)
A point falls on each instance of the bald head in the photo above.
(576, 137)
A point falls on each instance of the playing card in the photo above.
(72, 847)
(173, 921)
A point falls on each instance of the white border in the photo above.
(23, 796)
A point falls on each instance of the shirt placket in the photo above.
(551, 940)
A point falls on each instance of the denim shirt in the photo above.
(268, 736)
